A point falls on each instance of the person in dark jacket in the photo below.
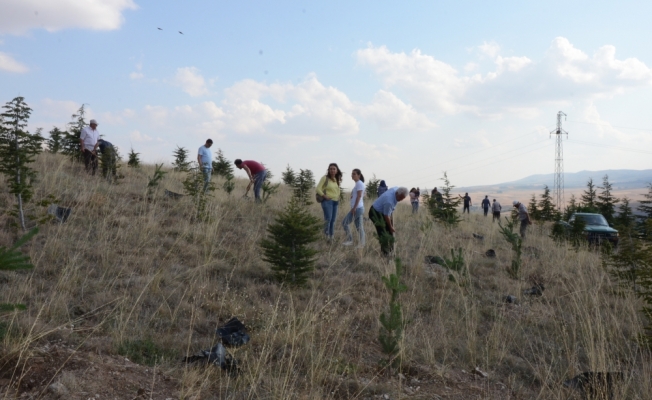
(485, 205)
(382, 188)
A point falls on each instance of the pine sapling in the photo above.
(198, 189)
(11, 260)
(514, 239)
(222, 166)
(134, 159)
(153, 181)
(181, 163)
(55, 141)
(392, 323)
(288, 244)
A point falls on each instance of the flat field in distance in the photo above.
(129, 285)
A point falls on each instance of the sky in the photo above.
(401, 91)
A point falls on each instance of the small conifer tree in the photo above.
(288, 244)
(228, 185)
(70, 143)
(547, 210)
(18, 148)
(222, 167)
(532, 208)
(392, 323)
(589, 197)
(606, 203)
(645, 211)
(134, 159)
(154, 180)
(514, 239)
(303, 183)
(371, 191)
(109, 163)
(625, 219)
(181, 163)
(445, 211)
(193, 186)
(571, 208)
(288, 176)
(11, 260)
(55, 141)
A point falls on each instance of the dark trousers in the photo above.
(90, 160)
(486, 211)
(385, 237)
(496, 216)
(466, 208)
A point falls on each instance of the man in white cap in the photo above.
(523, 216)
(88, 141)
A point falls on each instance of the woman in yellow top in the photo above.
(329, 188)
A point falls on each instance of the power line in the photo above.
(467, 155)
(610, 146)
(506, 158)
(608, 124)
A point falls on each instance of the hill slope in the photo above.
(138, 277)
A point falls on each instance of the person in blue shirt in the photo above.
(485, 205)
(205, 161)
(382, 188)
(380, 214)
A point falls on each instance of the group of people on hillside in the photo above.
(90, 143)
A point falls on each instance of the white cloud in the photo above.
(19, 16)
(191, 81)
(491, 49)
(372, 151)
(390, 113)
(517, 85)
(9, 64)
(136, 75)
(60, 108)
(136, 136)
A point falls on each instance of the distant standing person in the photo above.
(435, 194)
(205, 161)
(256, 173)
(485, 205)
(329, 188)
(382, 188)
(495, 207)
(380, 214)
(88, 145)
(414, 200)
(523, 216)
(467, 203)
(356, 212)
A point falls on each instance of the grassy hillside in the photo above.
(126, 273)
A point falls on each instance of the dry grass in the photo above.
(125, 267)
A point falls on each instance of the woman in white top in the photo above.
(414, 200)
(356, 214)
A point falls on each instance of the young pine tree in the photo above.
(515, 240)
(446, 211)
(304, 181)
(288, 244)
(571, 208)
(195, 187)
(70, 142)
(181, 162)
(134, 160)
(547, 210)
(222, 167)
(55, 141)
(11, 260)
(392, 323)
(18, 148)
(372, 187)
(645, 211)
(606, 203)
(625, 219)
(289, 176)
(532, 208)
(589, 197)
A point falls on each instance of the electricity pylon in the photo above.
(558, 190)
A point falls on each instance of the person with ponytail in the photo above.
(357, 210)
(328, 189)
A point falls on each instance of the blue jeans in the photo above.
(415, 207)
(330, 213)
(259, 179)
(207, 177)
(359, 225)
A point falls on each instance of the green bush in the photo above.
(144, 351)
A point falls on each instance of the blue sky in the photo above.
(403, 91)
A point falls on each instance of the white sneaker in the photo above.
(347, 243)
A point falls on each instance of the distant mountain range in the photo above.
(621, 179)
